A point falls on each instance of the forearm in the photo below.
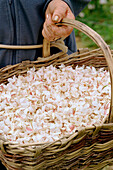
(76, 6)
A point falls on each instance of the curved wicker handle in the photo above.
(45, 47)
(100, 43)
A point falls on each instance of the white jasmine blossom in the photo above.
(47, 104)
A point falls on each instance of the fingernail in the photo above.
(56, 18)
(47, 16)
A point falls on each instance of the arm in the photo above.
(75, 5)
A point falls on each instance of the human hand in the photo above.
(55, 12)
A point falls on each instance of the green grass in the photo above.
(100, 20)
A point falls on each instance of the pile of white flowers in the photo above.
(50, 103)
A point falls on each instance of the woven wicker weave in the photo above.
(89, 148)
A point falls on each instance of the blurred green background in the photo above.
(98, 15)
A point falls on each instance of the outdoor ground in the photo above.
(98, 15)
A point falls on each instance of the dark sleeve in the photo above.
(76, 5)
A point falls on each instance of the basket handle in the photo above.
(45, 47)
(58, 44)
(100, 43)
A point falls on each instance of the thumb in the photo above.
(58, 14)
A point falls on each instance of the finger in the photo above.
(53, 31)
(69, 14)
(46, 33)
(48, 29)
(62, 31)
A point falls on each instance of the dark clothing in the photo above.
(21, 23)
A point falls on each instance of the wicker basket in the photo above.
(89, 148)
